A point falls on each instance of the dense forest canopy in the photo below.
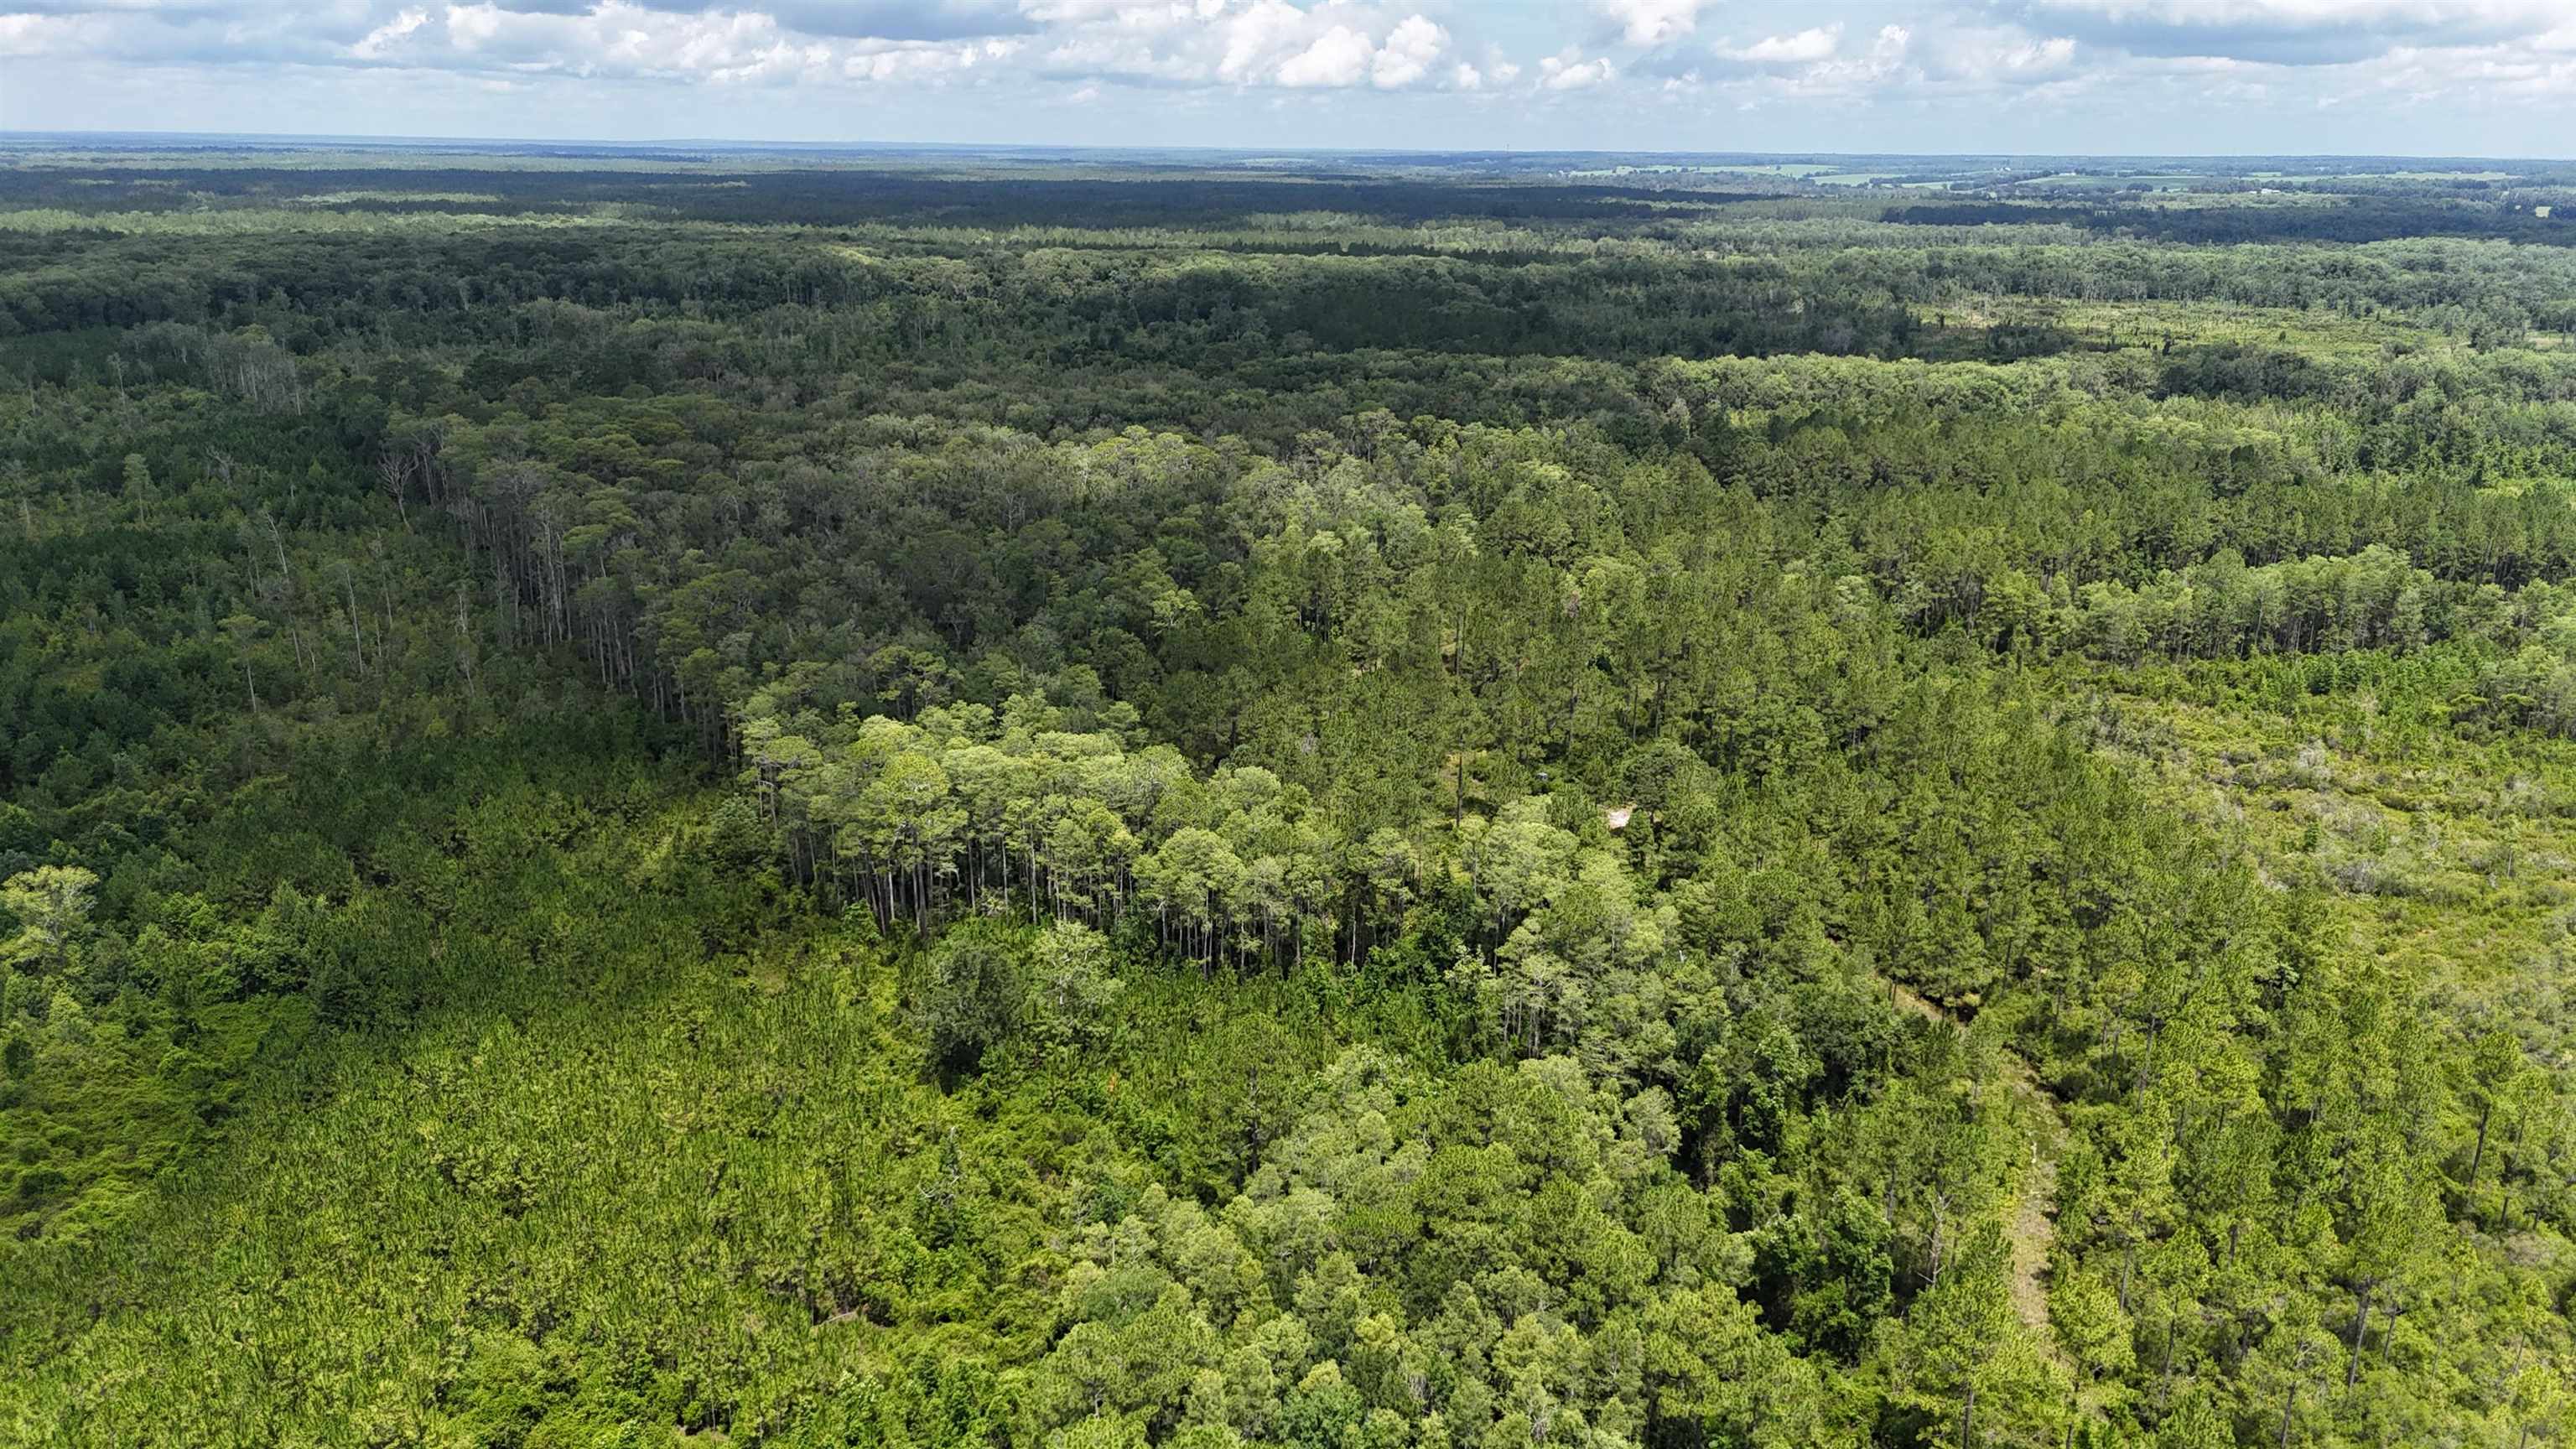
(1063, 800)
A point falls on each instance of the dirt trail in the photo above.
(2032, 1230)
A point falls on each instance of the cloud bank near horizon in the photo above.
(2489, 77)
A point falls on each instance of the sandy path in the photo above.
(2032, 1229)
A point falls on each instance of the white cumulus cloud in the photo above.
(1568, 72)
(1411, 50)
(1804, 48)
(1339, 57)
(1652, 22)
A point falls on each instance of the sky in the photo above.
(2108, 77)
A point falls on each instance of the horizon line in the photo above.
(300, 138)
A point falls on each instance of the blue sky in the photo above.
(2423, 77)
